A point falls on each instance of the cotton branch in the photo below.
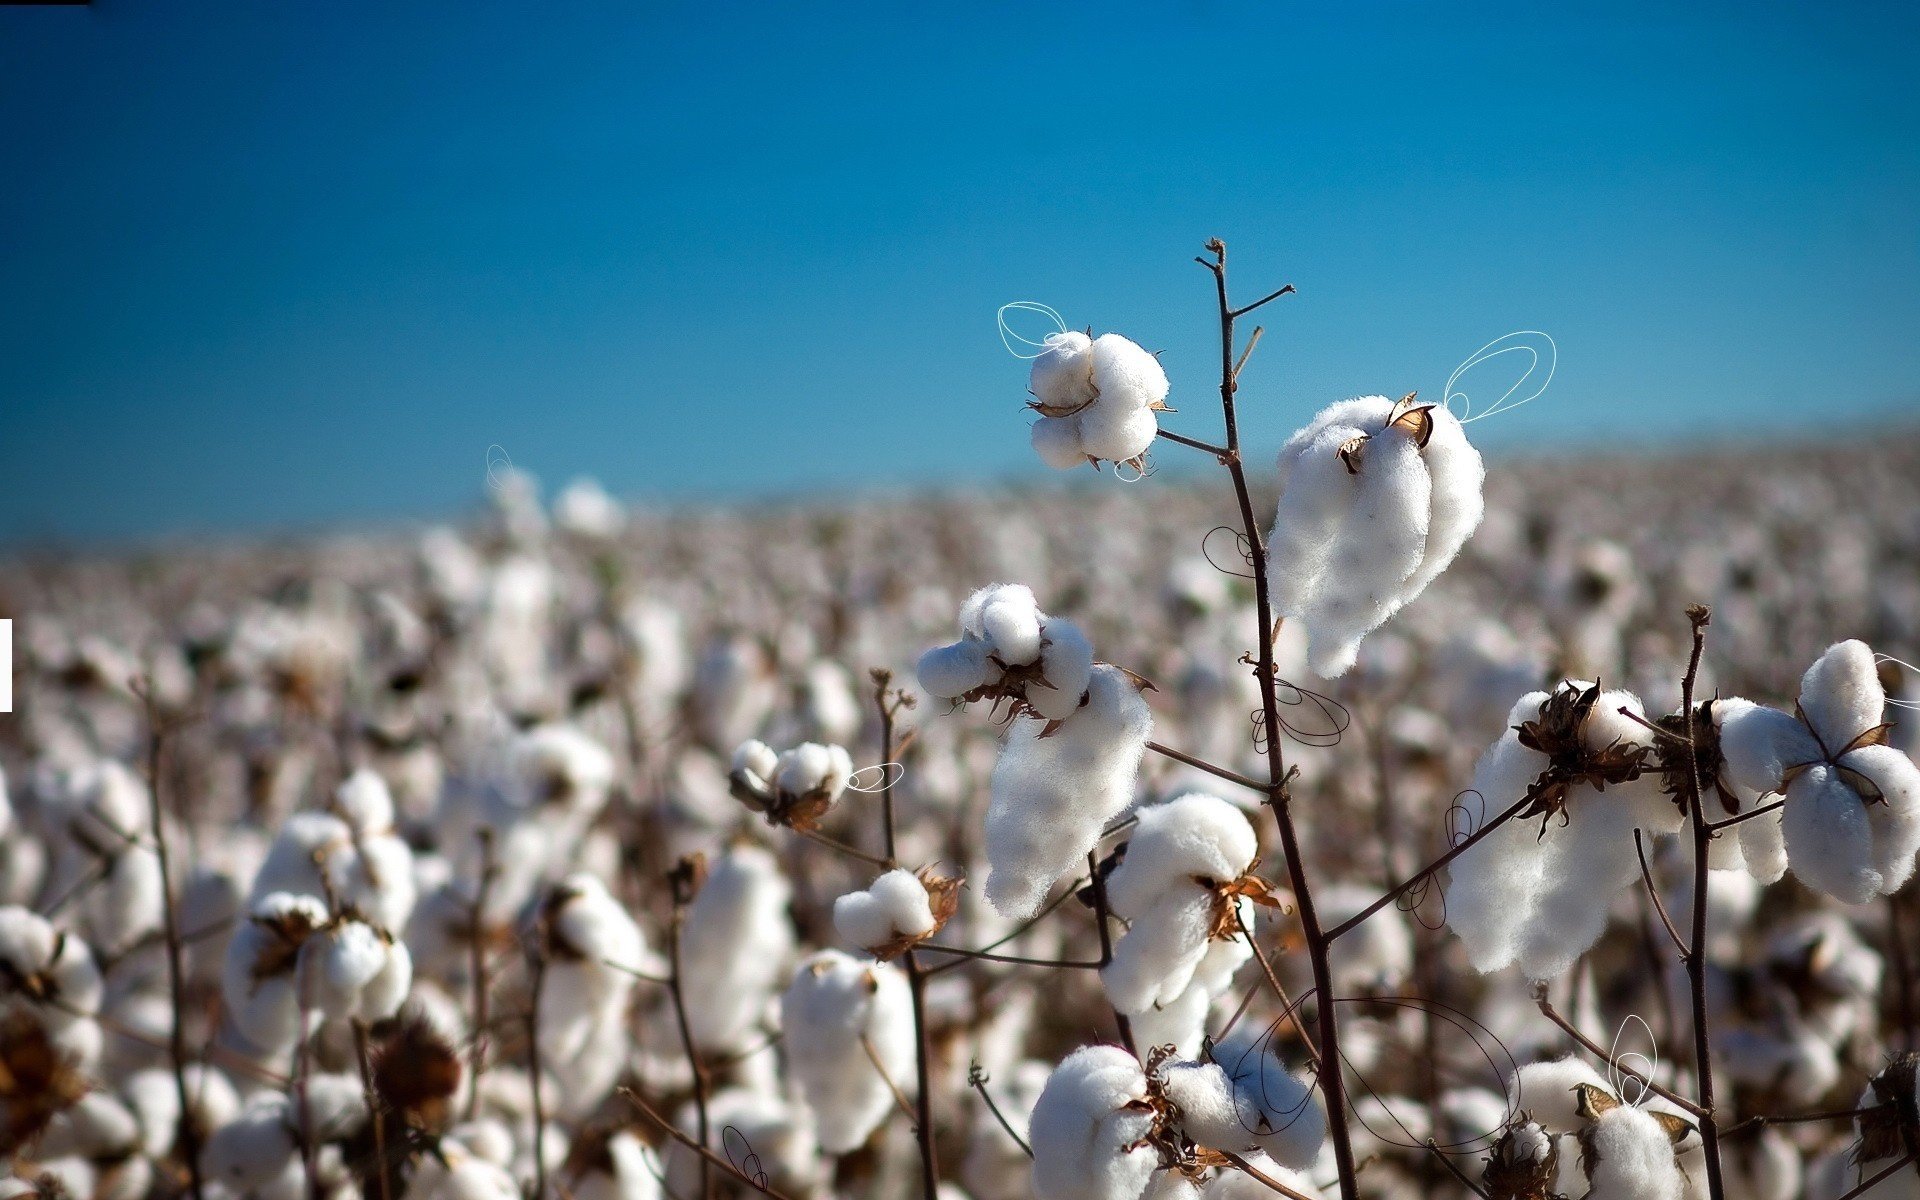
(1696, 962)
(683, 881)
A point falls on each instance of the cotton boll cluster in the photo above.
(1177, 890)
(1089, 1128)
(1010, 650)
(1376, 498)
(350, 853)
(797, 787)
(1243, 1100)
(1057, 786)
(1096, 398)
(1535, 891)
(1851, 821)
(848, 1029)
(899, 908)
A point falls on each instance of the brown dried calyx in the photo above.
(799, 811)
(1670, 753)
(37, 1081)
(943, 897)
(1224, 923)
(1559, 733)
(1866, 788)
(1891, 1127)
(1415, 420)
(290, 930)
(1514, 1170)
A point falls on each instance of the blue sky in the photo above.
(269, 266)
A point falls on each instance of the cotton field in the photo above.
(1374, 820)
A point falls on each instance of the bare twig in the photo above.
(1548, 1011)
(707, 1157)
(1459, 1176)
(1653, 893)
(977, 1079)
(1203, 765)
(1696, 962)
(1729, 822)
(1867, 1185)
(1217, 451)
(1106, 943)
(1428, 871)
(985, 956)
(1261, 1177)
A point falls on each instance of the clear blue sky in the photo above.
(277, 265)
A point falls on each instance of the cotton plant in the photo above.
(1376, 499)
(1010, 651)
(1090, 1126)
(896, 911)
(1096, 399)
(849, 1039)
(293, 963)
(1056, 787)
(1184, 885)
(52, 980)
(796, 787)
(1851, 814)
(1535, 891)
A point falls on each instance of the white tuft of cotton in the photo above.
(1087, 1128)
(1537, 891)
(1054, 792)
(1166, 887)
(1629, 1156)
(1245, 1101)
(1010, 649)
(1850, 825)
(895, 905)
(735, 943)
(1367, 518)
(846, 1021)
(1096, 398)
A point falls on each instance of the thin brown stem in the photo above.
(840, 847)
(1015, 959)
(1004, 938)
(977, 1079)
(1867, 1185)
(1261, 1177)
(1218, 452)
(1106, 944)
(1433, 1148)
(1428, 871)
(1202, 764)
(1279, 989)
(1696, 961)
(707, 1157)
(1842, 1114)
(1729, 822)
(677, 992)
(1548, 1011)
(1653, 893)
(176, 973)
(1279, 798)
(537, 967)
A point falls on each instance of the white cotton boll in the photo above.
(1086, 1127)
(351, 970)
(457, 1173)
(1245, 1101)
(1062, 374)
(97, 1126)
(1126, 376)
(1057, 441)
(1629, 1156)
(1053, 795)
(1117, 435)
(1066, 660)
(363, 801)
(1549, 1092)
(1829, 840)
(630, 1173)
(837, 1007)
(257, 973)
(561, 764)
(895, 905)
(1895, 818)
(950, 672)
(1180, 1023)
(155, 1099)
(254, 1147)
(811, 767)
(70, 1176)
(1841, 695)
(757, 761)
(1367, 518)
(1156, 888)
(1007, 618)
(67, 987)
(735, 943)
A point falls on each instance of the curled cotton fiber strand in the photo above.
(1053, 794)
(1376, 498)
(1087, 1128)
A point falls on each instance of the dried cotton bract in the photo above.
(1176, 888)
(1056, 786)
(1089, 1128)
(1852, 815)
(845, 1022)
(1375, 500)
(1536, 890)
(1010, 650)
(1096, 398)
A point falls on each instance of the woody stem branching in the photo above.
(1696, 959)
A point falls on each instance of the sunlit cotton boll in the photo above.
(735, 942)
(1087, 1128)
(1851, 821)
(1244, 1101)
(834, 1010)
(351, 971)
(1052, 795)
(895, 905)
(351, 852)
(1096, 398)
(1629, 1155)
(1537, 889)
(813, 769)
(257, 976)
(594, 948)
(1376, 498)
(1009, 649)
(62, 986)
(1158, 889)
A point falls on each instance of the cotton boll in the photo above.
(257, 975)
(835, 1008)
(811, 769)
(594, 949)
(1549, 1092)
(253, 1148)
(1126, 376)
(1057, 441)
(952, 671)
(1628, 1155)
(895, 905)
(64, 989)
(757, 761)
(584, 509)
(1157, 888)
(1086, 1129)
(1066, 662)
(629, 1173)
(1368, 516)
(1062, 375)
(1008, 620)
(457, 1173)
(155, 1099)
(1053, 795)
(1117, 436)
(735, 942)
(1245, 1101)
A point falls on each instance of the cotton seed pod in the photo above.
(1009, 650)
(796, 788)
(1056, 786)
(1536, 890)
(1096, 398)
(1628, 1153)
(1851, 821)
(841, 1017)
(1089, 1128)
(1376, 498)
(898, 909)
(1523, 1164)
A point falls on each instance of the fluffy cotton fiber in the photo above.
(896, 905)
(835, 1009)
(1086, 1126)
(1157, 888)
(1244, 1101)
(1096, 398)
(1367, 518)
(1053, 795)
(1009, 649)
